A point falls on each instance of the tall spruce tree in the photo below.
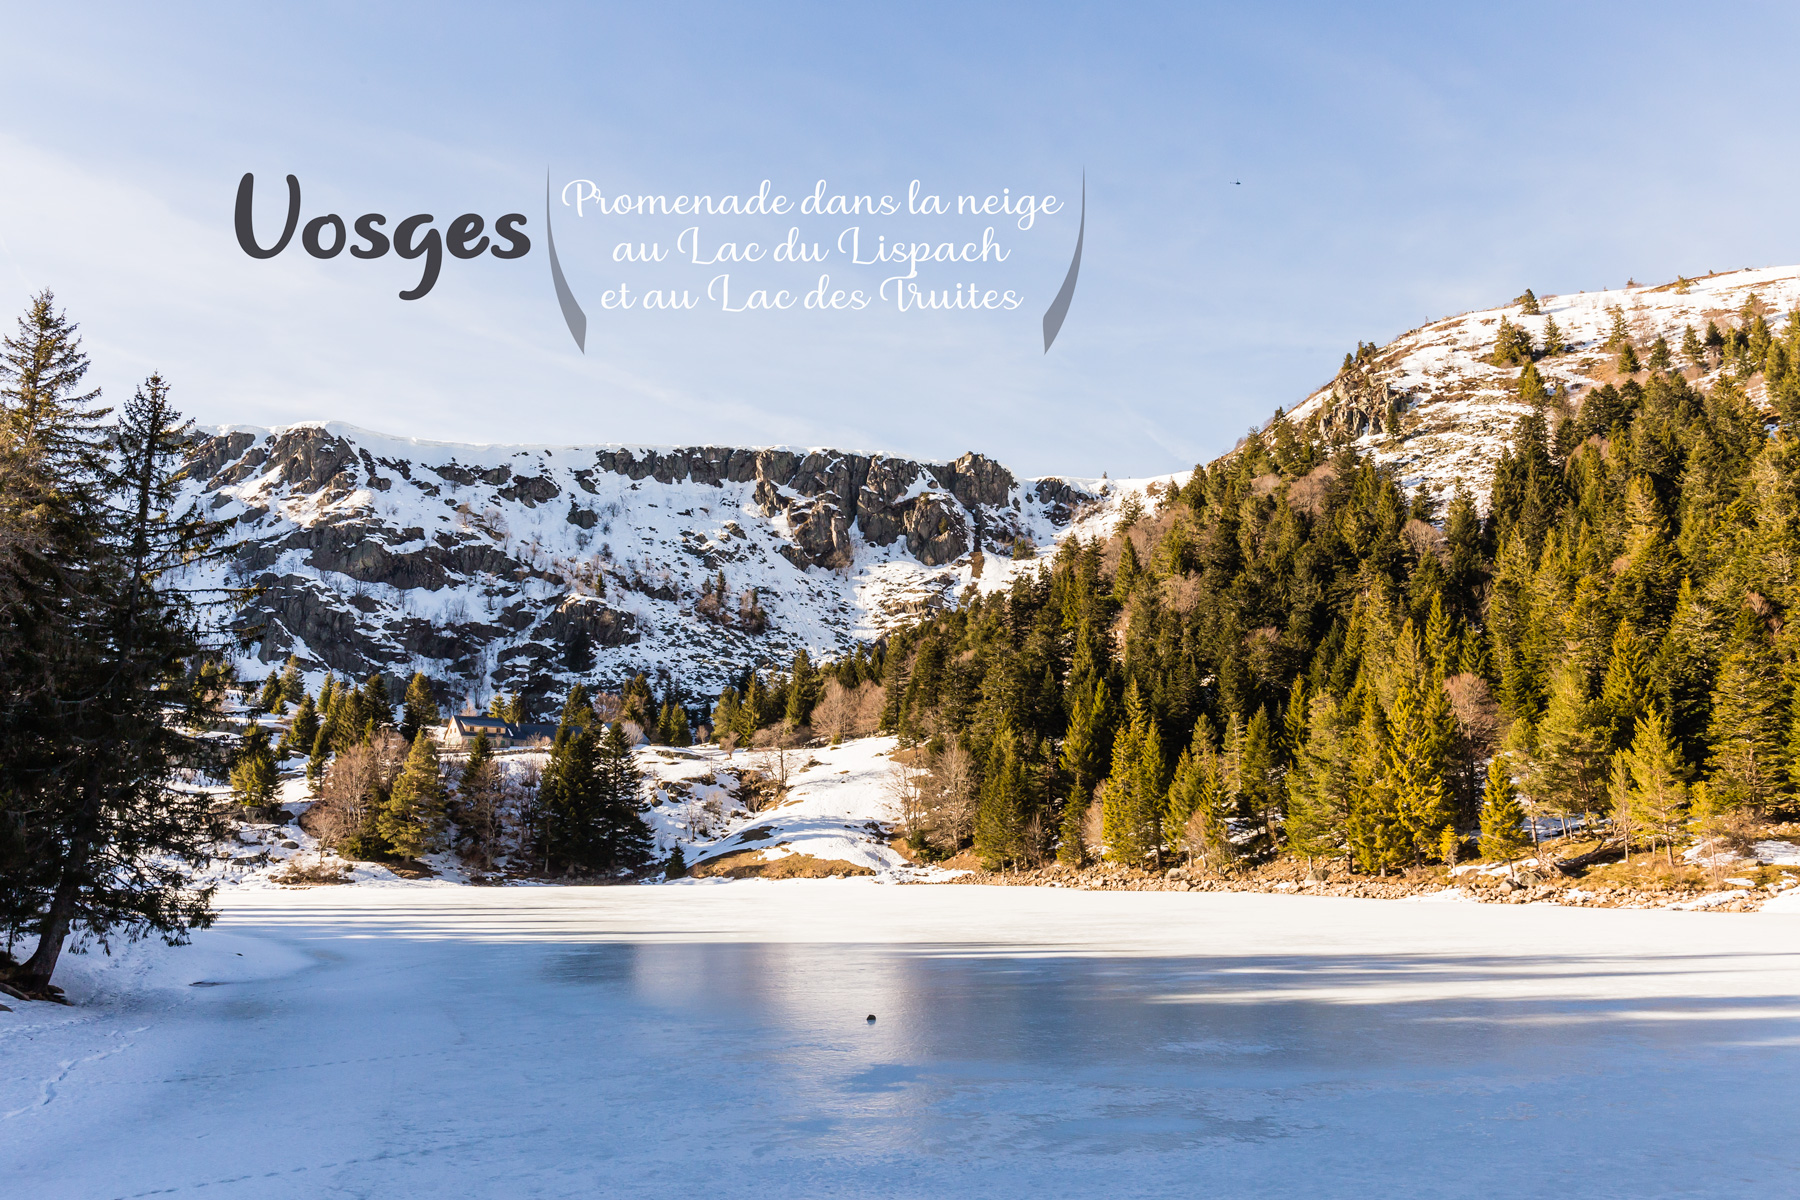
(1747, 765)
(420, 709)
(1322, 781)
(1659, 795)
(569, 795)
(413, 820)
(254, 779)
(1418, 751)
(100, 652)
(1003, 813)
(625, 842)
(1198, 820)
(1503, 835)
(304, 730)
(1627, 689)
(1691, 349)
(1133, 795)
(1574, 744)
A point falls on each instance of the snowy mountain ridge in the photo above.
(502, 568)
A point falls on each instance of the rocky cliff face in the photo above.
(501, 568)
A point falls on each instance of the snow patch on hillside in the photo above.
(1459, 410)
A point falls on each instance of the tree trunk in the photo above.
(35, 975)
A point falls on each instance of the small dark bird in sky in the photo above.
(871, 1018)
(1237, 183)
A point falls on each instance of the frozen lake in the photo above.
(712, 1040)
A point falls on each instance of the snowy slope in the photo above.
(524, 568)
(837, 807)
(1457, 409)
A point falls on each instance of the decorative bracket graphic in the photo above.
(1059, 307)
(571, 311)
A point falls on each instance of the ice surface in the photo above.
(637, 1041)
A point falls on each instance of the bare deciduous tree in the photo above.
(906, 788)
(834, 716)
(356, 781)
(871, 698)
(774, 745)
(951, 796)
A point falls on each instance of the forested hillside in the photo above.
(1291, 653)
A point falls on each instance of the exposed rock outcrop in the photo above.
(368, 553)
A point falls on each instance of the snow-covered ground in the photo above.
(712, 1040)
(838, 805)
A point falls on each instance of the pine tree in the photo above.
(1260, 781)
(1512, 346)
(1003, 812)
(315, 762)
(1554, 340)
(337, 719)
(481, 753)
(1321, 783)
(1691, 349)
(1658, 796)
(1628, 360)
(1197, 815)
(1374, 829)
(1645, 582)
(577, 711)
(1133, 795)
(1748, 761)
(421, 709)
(304, 730)
(1686, 666)
(1618, 335)
(98, 702)
(1528, 304)
(293, 685)
(1502, 817)
(1083, 746)
(1660, 357)
(1419, 733)
(412, 820)
(1126, 576)
(568, 792)
(254, 779)
(802, 691)
(374, 707)
(1530, 386)
(1627, 689)
(676, 867)
(624, 839)
(1574, 744)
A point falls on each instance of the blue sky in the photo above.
(1266, 186)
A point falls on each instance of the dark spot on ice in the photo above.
(871, 1018)
(207, 983)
